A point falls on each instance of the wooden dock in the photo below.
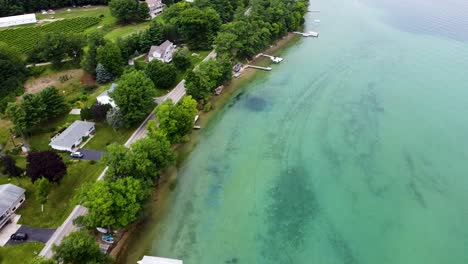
(307, 34)
(272, 58)
(258, 67)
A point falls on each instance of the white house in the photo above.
(155, 7)
(104, 97)
(162, 52)
(71, 137)
(157, 260)
(17, 20)
(11, 197)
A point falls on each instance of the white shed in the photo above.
(104, 97)
(17, 20)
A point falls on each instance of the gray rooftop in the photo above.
(72, 134)
(161, 49)
(110, 90)
(9, 194)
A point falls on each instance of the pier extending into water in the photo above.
(307, 34)
(272, 58)
(258, 67)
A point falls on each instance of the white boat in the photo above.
(317, 20)
(196, 127)
(276, 59)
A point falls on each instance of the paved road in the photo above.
(34, 234)
(89, 154)
(67, 227)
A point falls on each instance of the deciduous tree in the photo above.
(42, 190)
(181, 59)
(79, 247)
(134, 96)
(110, 57)
(12, 70)
(125, 10)
(9, 167)
(163, 75)
(47, 164)
(177, 121)
(114, 203)
(95, 40)
(100, 111)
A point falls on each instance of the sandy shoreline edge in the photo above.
(141, 232)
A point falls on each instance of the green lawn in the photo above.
(41, 140)
(106, 135)
(123, 31)
(22, 253)
(61, 201)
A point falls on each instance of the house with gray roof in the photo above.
(104, 97)
(155, 7)
(71, 137)
(11, 197)
(162, 52)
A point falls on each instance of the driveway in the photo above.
(34, 234)
(8, 230)
(89, 154)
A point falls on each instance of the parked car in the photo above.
(19, 236)
(76, 155)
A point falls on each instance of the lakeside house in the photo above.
(11, 198)
(162, 52)
(155, 7)
(158, 260)
(71, 137)
(17, 20)
(104, 98)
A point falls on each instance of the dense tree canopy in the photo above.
(134, 96)
(198, 27)
(114, 118)
(79, 247)
(176, 121)
(128, 10)
(144, 160)
(47, 164)
(114, 203)
(8, 165)
(12, 70)
(94, 40)
(181, 59)
(36, 108)
(55, 47)
(201, 83)
(162, 74)
(110, 57)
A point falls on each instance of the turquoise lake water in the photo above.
(353, 150)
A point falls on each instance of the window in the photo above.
(21, 201)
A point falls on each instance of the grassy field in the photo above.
(123, 31)
(106, 135)
(60, 202)
(22, 253)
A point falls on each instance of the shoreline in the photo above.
(137, 239)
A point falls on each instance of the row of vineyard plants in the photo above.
(25, 38)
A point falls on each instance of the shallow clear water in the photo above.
(353, 150)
